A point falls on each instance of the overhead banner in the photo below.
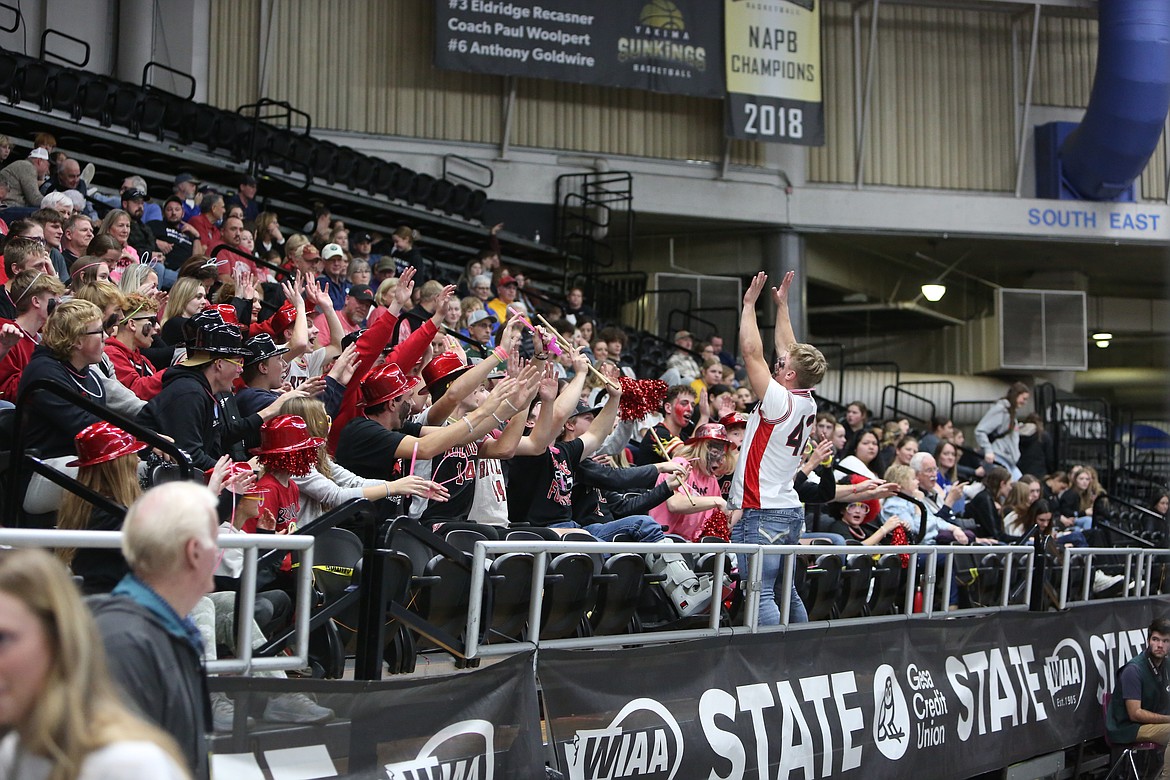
(773, 68)
(921, 698)
(478, 724)
(671, 46)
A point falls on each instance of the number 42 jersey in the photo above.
(773, 446)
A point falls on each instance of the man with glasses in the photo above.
(193, 406)
(135, 331)
(938, 501)
(774, 442)
(36, 294)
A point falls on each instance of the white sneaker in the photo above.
(87, 173)
(296, 708)
(223, 713)
(1103, 582)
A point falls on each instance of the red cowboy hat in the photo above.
(285, 433)
(734, 419)
(710, 432)
(103, 442)
(446, 366)
(386, 383)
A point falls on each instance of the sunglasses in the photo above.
(236, 363)
(150, 322)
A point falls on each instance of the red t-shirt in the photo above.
(282, 502)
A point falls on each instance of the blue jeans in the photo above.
(771, 526)
(642, 527)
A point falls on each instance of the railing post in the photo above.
(371, 635)
(1039, 570)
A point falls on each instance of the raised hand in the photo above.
(405, 289)
(724, 406)
(345, 365)
(780, 294)
(752, 294)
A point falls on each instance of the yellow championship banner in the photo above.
(772, 52)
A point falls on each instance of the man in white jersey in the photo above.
(774, 441)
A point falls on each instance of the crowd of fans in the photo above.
(298, 369)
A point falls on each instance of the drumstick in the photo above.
(686, 490)
(561, 340)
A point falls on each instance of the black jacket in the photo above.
(52, 422)
(603, 493)
(141, 239)
(186, 411)
(161, 674)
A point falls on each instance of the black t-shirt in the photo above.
(368, 450)
(182, 244)
(540, 487)
(455, 470)
(648, 451)
(861, 533)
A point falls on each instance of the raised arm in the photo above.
(783, 334)
(751, 347)
(298, 343)
(602, 425)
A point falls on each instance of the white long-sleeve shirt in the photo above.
(319, 491)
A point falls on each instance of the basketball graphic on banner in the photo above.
(662, 14)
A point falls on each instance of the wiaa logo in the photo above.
(461, 751)
(891, 715)
(1064, 672)
(646, 752)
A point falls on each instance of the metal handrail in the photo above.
(452, 176)
(45, 53)
(17, 18)
(159, 66)
(249, 543)
(280, 271)
(751, 584)
(16, 487)
(899, 389)
(1139, 566)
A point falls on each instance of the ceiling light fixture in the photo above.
(934, 292)
(1102, 336)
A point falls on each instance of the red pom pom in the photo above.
(898, 536)
(715, 525)
(641, 397)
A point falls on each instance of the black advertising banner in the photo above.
(662, 45)
(480, 724)
(773, 67)
(922, 698)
